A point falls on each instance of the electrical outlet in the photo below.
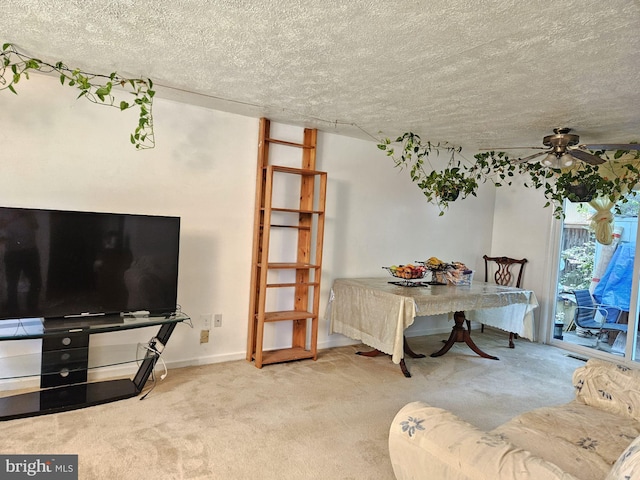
(217, 320)
(204, 336)
(206, 321)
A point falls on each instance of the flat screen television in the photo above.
(56, 264)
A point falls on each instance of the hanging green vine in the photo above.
(439, 186)
(96, 88)
(615, 179)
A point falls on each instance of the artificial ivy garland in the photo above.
(96, 88)
(613, 180)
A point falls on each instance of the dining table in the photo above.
(377, 311)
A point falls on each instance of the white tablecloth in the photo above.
(376, 312)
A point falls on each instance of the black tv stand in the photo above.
(64, 362)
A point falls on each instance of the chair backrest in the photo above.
(508, 271)
(585, 307)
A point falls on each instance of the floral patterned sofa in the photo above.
(596, 436)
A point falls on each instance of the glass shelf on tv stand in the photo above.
(33, 328)
(29, 365)
(66, 358)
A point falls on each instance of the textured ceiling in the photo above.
(481, 74)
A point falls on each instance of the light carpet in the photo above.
(327, 419)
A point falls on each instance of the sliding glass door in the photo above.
(596, 291)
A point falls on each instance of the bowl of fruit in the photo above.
(434, 264)
(407, 273)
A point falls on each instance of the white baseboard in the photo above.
(129, 370)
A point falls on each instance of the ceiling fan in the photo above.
(559, 153)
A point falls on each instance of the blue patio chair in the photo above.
(593, 316)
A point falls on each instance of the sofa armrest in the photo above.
(609, 386)
(431, 443)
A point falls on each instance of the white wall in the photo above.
(58, 152)
(377, 217)
(523, 228)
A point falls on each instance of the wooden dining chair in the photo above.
(507, 272)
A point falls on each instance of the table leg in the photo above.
(405, 370)
(372, 353)
(460, 334)
(403, 365)
(408, 351)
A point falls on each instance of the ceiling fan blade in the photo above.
(494, 149)
(586, 156)
(610, 146)
(531, 157)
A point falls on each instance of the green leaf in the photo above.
(33, 63)
(102, 91)
(5, 46)
(124, 105)
(10, 87)
(62, 79)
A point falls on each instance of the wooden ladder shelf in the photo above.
(298, 225)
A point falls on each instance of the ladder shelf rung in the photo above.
(298, 227)
(287, 315)
(295, 171)
(289, 144)
(289, 285)
(295, 210)
(286, 355)
(289, 265)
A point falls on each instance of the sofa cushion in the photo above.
(429, 443)
(582, 440)
(628, 464)
(610, 387)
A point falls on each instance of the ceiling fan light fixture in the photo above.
(550, 161)
(566, 160)
(555, 160)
